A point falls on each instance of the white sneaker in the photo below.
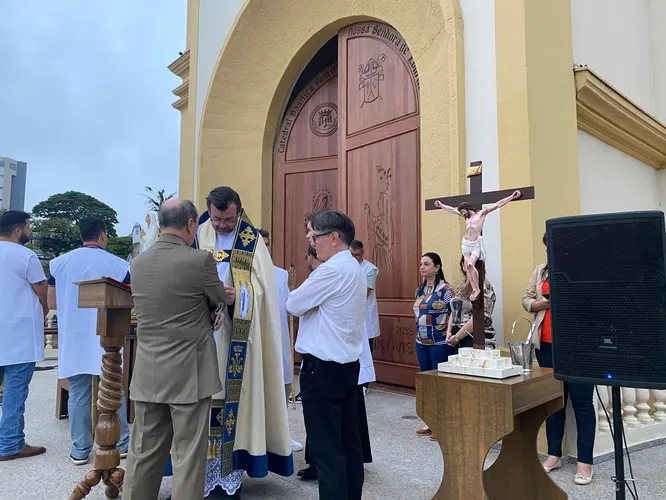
(81, 461)
(365, 391)
(296, 446)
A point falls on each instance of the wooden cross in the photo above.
(477, 198)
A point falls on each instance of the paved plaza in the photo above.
(405, 466)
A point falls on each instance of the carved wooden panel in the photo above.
(379, 84)
(379, 171)
(351, 141)
(382, 187)
(305, 192)
(314, 130)
(305, 167)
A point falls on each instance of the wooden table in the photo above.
(470, 414)
(129, 354)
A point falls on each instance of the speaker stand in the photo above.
(617, 441)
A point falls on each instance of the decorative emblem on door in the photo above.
(380, 227)
(324, 119)
(370, 76)
(322, 200)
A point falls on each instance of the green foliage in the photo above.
(53, 237)
(120, 246)
(155, 197)
(74, 206)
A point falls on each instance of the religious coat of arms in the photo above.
(370, 75)
(324, 120)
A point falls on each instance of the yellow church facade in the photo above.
(516, 84)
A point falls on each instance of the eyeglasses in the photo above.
(315, 236)
(228, 220)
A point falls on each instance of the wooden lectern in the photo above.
(470, 414)
(113, 302)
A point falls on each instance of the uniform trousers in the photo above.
(331, 411)
(160, 429)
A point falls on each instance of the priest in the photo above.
(249, 430)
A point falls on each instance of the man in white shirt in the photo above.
(22, 311)
(367, 374)
(282, 281)
(79, 351)
(331, 303)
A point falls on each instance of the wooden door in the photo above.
(378, 180)
(305, 168)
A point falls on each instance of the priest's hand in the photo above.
(231, 294)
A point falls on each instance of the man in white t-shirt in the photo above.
(79, 351)
(22, 311)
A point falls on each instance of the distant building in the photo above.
(12, 183)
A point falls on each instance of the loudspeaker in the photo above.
(608, 298)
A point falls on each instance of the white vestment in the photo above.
(262, 441)
(282, 281)
(367, 372)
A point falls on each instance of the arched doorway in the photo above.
(349, 139)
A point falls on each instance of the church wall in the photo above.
(612, 181)
(613, 38)
(215, 20)
(481, 129)
(658, 31)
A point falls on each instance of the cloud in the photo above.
(86, 98)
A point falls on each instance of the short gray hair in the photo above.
(329, 221)
(177, 215)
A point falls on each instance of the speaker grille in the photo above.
(608, 298)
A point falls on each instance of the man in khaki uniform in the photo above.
(176, 291)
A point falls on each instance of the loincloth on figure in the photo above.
(474, 248)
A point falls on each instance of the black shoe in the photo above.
(309, 474)
(298, 399)
(219, 493)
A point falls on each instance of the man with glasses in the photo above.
(331, 303)
(249, 416)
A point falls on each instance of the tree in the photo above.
(74, 206)
(53, 237)
(155, 197)
(120, 246)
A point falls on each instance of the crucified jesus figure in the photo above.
(472, 242)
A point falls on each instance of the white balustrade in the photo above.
(659, 404)
(629, 407)
(642, 406)
(643, 415)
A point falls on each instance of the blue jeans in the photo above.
(583, 406)
(430, 356)
(12, 423)
(80, 418)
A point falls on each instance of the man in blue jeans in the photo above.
(22, 311)
(79, 352)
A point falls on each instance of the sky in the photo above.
(85, 98)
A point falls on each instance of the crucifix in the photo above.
(477, 198)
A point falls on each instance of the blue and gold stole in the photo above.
(224, 413)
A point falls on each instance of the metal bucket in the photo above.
(522, 353)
